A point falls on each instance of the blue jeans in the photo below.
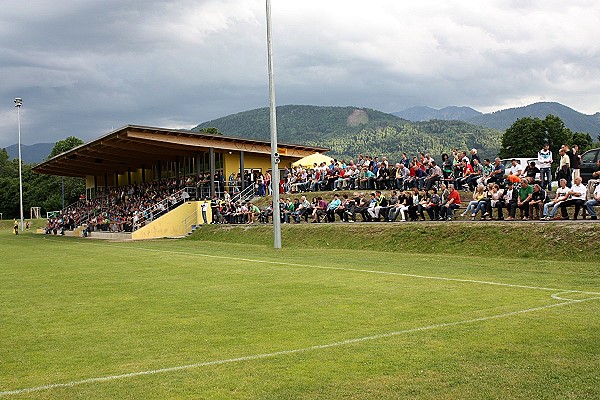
(546, 177)
(552, 212)
(446, 212)
(590, 204)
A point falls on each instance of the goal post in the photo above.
(34, 212)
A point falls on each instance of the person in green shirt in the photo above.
(525, 194)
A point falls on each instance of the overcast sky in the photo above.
(84, 67)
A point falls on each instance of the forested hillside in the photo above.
(349, 131)
(297, 124)
(434, 137)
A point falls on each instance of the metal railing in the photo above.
(90, 208)
(245, 194)
(172, 201)
(190, 221)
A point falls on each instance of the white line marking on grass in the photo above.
(440, 278)
(283, 352)
(560, 296)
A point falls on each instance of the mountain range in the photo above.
(34, 153)
(350, 130)
(424, 113)
(503, 119)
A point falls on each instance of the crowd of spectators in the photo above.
(420, 185)
(122, 209)
(417, 188)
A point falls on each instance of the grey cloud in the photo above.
(84, 67)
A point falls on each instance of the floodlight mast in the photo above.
(274, 154)
(18, 104)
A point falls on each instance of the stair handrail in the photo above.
(242, 194)
(154, 211)
(189, 221)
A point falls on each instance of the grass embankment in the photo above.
(7, 224)
(552, 241)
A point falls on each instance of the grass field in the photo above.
(213, 319)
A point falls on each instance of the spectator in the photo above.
(516, 169)
(475, 175)
(525, 194)
(478, 195)
(319, 210)
(530, 173)
(343, 208)
(511, 199)
(486, 173)
(497, 201)
(414, 202)
(575, 161)
(432, 205)
(577, 196)
(380, 204)
(562, 194)
(434, 175)
(594, 202)
(498, 172)
(484, 206)
(332, 207)
(564, 166)
(399, 208)
(466, 170)
(447, 166)
(538, 199)
(286, 209)
(252, 212)
(453, 203)
(302, 211)
(474, 156)
(545, 163)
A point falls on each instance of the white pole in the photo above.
(274, 154)
(18, 104)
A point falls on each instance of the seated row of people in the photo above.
(530, 201)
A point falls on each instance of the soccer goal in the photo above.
(52, 214)
(34, 212)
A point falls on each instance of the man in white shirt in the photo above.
(576, 198)
(516, 169)
(595, 202)
(545, 163)
(562, 194)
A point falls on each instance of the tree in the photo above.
(558, 134)
(65, 145)
(72, 187)
(583, 140)
(526, 136)
(210, 131)
(523, 139)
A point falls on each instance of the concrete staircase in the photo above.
(194, 227)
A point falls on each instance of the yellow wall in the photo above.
(136, 176)
(172, 223)
(231, 163)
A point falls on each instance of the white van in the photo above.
(507, 162)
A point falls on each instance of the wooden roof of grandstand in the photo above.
(133, 146)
